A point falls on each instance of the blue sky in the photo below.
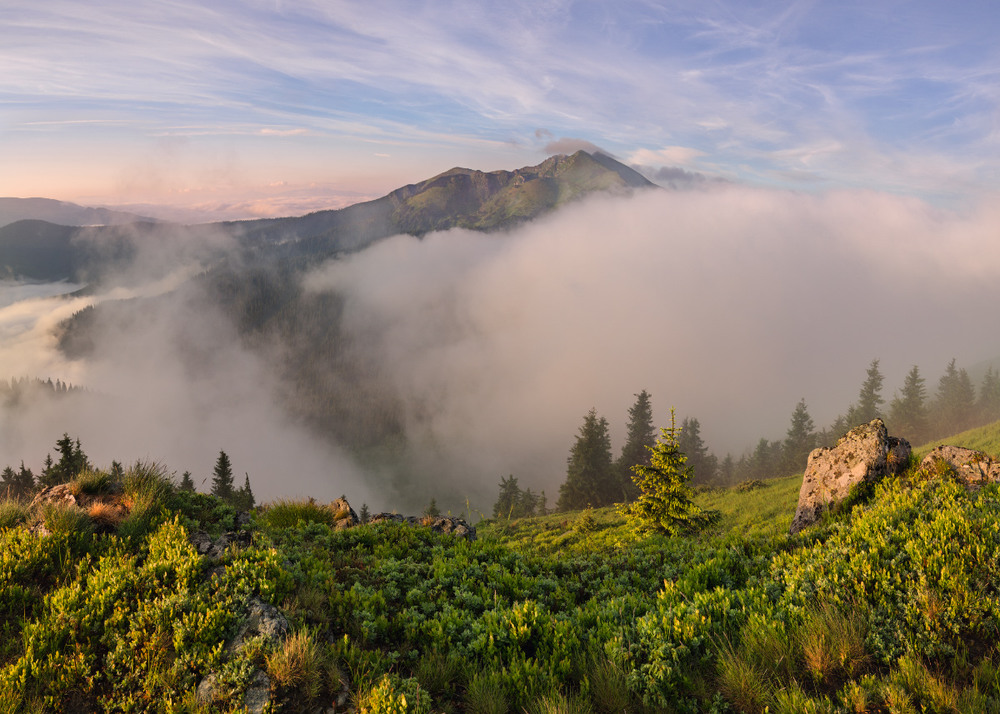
(282, 106)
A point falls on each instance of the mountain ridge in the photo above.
(456, 198)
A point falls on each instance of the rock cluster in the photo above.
(457, 527)
(865, 455)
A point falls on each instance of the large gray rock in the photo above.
(866, 454)
(973, 468)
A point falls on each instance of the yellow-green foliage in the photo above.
(393, 695)
(289, 513)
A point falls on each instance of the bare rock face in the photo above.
(973, 468)
(343, 515)
(866, 454)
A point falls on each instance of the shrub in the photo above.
(12, 513)
(298, 666)
(91, 483)
(289, 513)
(393, 695)
(65, 518)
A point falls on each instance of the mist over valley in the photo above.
(430, 343)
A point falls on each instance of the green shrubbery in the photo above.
(889, 606)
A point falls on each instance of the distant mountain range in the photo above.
(52, 244)
(62, 213)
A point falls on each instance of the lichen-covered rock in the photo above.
(866, 454)
(63, 493)
(973, 468)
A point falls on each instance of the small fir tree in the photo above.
(187, 484)
(432, 510)
(365, 514)
(222, 478)
(703, 464)
(665, 500)
(988, 405)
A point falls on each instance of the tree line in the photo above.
(596, 478)
(19, 483)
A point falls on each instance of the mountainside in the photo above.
(63, 213)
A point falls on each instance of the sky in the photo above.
(268, 107)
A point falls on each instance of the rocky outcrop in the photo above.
(343, 515)
(457, 527)
(973, 468)
(865, 455)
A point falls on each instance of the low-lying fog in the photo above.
(730, 304)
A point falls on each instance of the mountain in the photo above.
(458, 198)
(62, 213)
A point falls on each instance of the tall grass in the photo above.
(13, 513)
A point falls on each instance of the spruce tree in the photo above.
(665, 501)
(908, 409)
(701, 461)
(988, 405)
(590, 474)
(640, 437)
(800, 439)
(243, 499)
(955, 404)
(222, 479)
(187, 484)
(432, 510)
(870, 399)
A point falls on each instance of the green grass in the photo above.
(985, 438)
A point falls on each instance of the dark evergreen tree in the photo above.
(727, 471)
(765, 460)
(955, 403)
(117, 471)
(908, 409)
(432, 510)
(187, 484)
(665, 501)
(640, 437)
(72, 461)
(243, 499)
(365, 514)
(870, 399)
(700, 460)
(988, 405)
(222, 479)
(513, 502)
(800, 439)
(590, 474)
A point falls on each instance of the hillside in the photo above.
(147, 597)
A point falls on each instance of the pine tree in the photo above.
(800, 439)
(365, 514)
(590, 474)
(187, 484)
(222, 480)
(701, 461)
(727, 471)
(639, 439)
(870, 399)
(665, 501)
(908, 409)
(513, 502)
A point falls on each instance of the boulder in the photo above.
(864, 455)
(343, 515)
(973, 468)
